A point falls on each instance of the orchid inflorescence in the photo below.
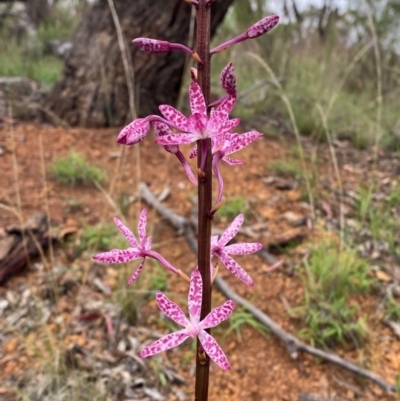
(172, 128)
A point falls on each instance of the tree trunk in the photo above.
(93, 89)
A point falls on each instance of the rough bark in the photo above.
(93, 89)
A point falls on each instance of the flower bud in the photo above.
(262, 26)
(228, 80)
(152, 45)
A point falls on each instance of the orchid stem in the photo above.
(204, 195)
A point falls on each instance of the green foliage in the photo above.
(74, 169)
(241, 317)
(101, 237)
(285, 168)
(392, 309)
(26, 58)
(330, 277)
(233, 207)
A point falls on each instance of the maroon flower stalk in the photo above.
(204, 196)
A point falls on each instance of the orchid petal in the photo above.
(162, 129)
(235, 268)
(213, 350)
(231, 231)
(142, 226)
(196, 98)
(240, 141)
(126, 232)
(177, 139)
(195, 296)
(135, 275)
(232, 162)
(175, 117)
(218, 174)
(217, 315)
(165, 343)
(134, 132)
(193, 152)
(221, 113)
(171, 309)
(243, 248)
(118, 256)
(229, 125)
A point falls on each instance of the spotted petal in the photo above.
(231, 231)
(195, 296)
(243, 248)
(164, 343)
(126, 232)
(196, 98)
(220, 115)
(142, 226)
(217, 315)
(240, 141)
(176, 139)
(162, 129)
(171, 309)
(134, 132)
(175, 117)
(232, 162)
(235, 268)
(213, 350)
(137, 273)
(118, 256)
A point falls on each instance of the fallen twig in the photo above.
(292, 343)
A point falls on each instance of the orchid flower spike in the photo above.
(219, 249)
(259, 28)
(192, 326)
(138, 249)
(228, 82)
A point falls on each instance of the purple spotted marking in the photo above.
(139, 249)
(134, 133)
(220, 250)
(263, 26)
(228, 80)
(193, 327)
(152, 45)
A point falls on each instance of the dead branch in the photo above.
(292, 343)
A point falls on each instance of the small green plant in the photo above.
(232, 207)
(73, 169)
(100, 237)
(392, 309)
(240, 318)
(330, 277)
(364, 202)
(285, 168)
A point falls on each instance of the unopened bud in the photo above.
(152, 45)
(261, 27)
(228, 80)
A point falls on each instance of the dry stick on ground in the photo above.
(292, 343)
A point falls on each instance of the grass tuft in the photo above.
(73, 169)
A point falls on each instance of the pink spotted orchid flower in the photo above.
(193, 326)
(198, 125)
(139, 249)
(223, 252)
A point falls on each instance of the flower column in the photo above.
(204, 195)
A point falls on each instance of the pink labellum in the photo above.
(152, 45)
(263, 26)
